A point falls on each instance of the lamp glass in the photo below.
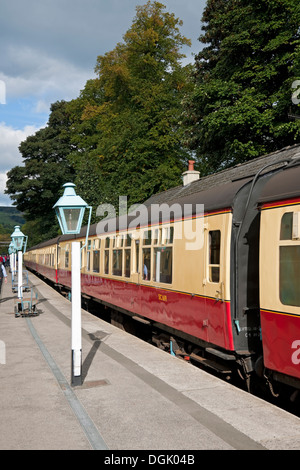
(17, 238)
(72, 217)
(70, 210)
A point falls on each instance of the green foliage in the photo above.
(9, 218)
(35, 186)
(134, 111)
(121, 136)
(240, 105)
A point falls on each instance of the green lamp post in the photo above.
(19, 241)
(70, 210)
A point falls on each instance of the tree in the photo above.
(141, 84)
(121, 136)
(36, 186)
(84, 137)
(241, 102)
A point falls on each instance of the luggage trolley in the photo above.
(27, 307)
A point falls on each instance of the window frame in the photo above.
(212, 265)
(284, 281)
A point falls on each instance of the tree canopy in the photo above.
(241, 103)
(121, 136)
(36, 185)
(140, 86)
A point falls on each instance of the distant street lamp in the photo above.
(19, 241)
(12, 260)
(70, 210)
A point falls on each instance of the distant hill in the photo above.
(10, 216)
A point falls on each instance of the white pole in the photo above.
(76, 316)
(20, 274)
(11, 264)
(15, 263)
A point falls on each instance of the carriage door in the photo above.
(214, 250)
(214, 285)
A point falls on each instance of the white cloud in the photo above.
(3, 179)
(41, 107)
(10, 140)
(4, 198)
(41, 76)
(10, 156)
(35, 82)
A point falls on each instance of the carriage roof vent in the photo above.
(191, 175)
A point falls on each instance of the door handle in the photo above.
(220, 293)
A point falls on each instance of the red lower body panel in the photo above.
(281, 342)
(49, 273)
(197, 316)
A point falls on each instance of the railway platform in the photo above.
(134, 396)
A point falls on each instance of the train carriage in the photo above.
(280, 274)
(215, 275)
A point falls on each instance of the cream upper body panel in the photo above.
(189, 248)
(280, 259)
(192, 256)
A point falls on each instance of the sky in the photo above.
(48, 50)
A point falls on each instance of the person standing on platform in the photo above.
(3, 275)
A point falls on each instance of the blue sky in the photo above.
(48, 51)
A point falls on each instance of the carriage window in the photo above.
(67, 259)
(214, 255)
(163, 256)
(289, 261)
(127, 262)
(106, 262)
(162, 267)
(106, 256)
(96, 244)
(289, 275)
(96, 261)
(286, 226)
(88, 256)
(117, 262)
(147, 237)
(127, 241)
(146, 264)
(96, 256)
(137, 255)
(127, 255)
(157, 236)
(167, 235)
